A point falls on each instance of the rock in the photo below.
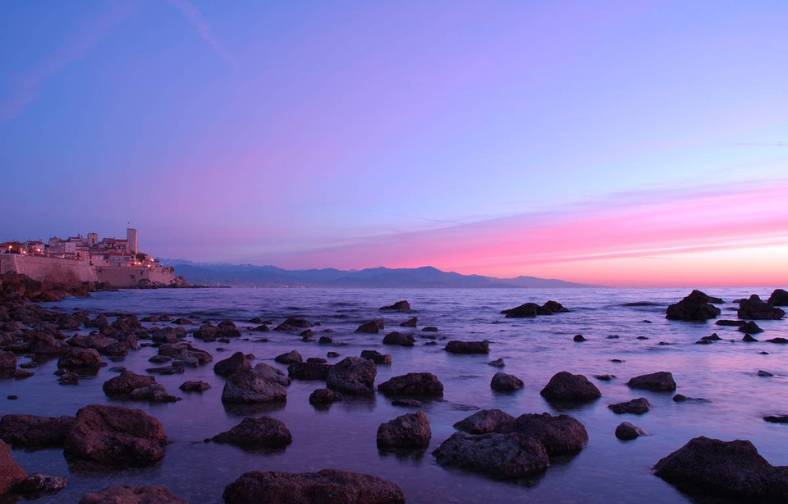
(605, 377)
(424, 385)
(194, 386)
(236, 362)
(706, 340)
(411, 322)
(353, 376)
(400, 306)
(468, 347)
(256, 433)
(781, 419)
(579, 338)
(528, 310)
(68, 378)
(696, 307)
(248, 387)
(569, 388)
(499, 363)
(174, 368)
(116, 437)
(82, 361)
(153, 393)
(206, 332)
(730, 470)
(7, 364)
(125, 494)
(291, 357)
(293, 324)
(764, 374)
(271, 373)
(501, 456)
(429, 329)
(661, 381)
(750, 327)
(407, 403)
(486, 421)
(398, 338)
(778, 341)
(37, 485)
(683, 398)
(10, 472)
(406, 432)
(560, 435)
(186, 354)
(747, 338)
(324, 396)
(376, 357)
(308, 370)
(635, 406)
(755, 309)
(730, 323)
(29, 431)
(125, 383)
(323, 487)
(627, 432)
(370, 327)
(332, 355)
(779, 297)
(502, 382)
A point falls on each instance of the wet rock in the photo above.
(309, 370)
(501, 456)
(400, 306)
(186, 354)
(730, 323)
(370, 327)
(468, 347)
(754, 308)
(325, 340)
(683, 398)
(236, 362)
(731, 470)
(411, 322)
(324, 396)
(68, 378)
(116, 437)
(153, 393)
(707, 340)
(291, 357)
(406, 432)
(528, 310)
(661, 381)
(764, 374)
(429, 329)
(486, 421)
(579, 338)
(560, 435)
(326, 486)
(206, 332)
(778, 341)
(750, 327)
(398, 338)
(332, 355)
(257, 433)
(627, 432)
(781, 419)
(605, 377)
(7, 364)
(194, 386)
(248, 387)
(10, 472)
(779, 297)
(227, 329)
(407, 403)
(82, 361)
(499, 363)
(565, 387)
(424, 385)
(747, 338)
(30, 431)
(123, 384)
(353, 376)
(502, 382)
(637, 406)
(125, 494)
(293, 324)
(696, 307)
(271, 373)
(174, 368)
(37, 485)
(376, 357)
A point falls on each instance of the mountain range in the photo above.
(249, 275)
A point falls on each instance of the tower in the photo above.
(131, 238)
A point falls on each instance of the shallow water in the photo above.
(534, 349)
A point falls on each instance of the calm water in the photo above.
(344, 436)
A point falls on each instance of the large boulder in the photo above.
(661, 381)
(413, 385)
(353, 376)
(486, 421)
(696, 307)
(565, 387)
(256, 433)
(82, 361)
(406, 432)
(10, 472)
(400, 306)
(730, 470)
(248, 387)
(755, 308)
(500, 456)
(779, 297)
(228, 366)
(528, 310)
(125, 494)
(29, 431)
(468, 347)
(503, 382)
(322, 487)
(115, 437)
(560, 435)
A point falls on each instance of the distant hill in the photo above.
(248, 275)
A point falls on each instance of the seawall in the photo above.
(49, 269)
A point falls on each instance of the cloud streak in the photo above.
(197, 21)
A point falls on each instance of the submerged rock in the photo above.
(570, 388)
(635, 406)
(754, 308)
(353, 376)
(398, 338)
(781, 419)
(371, 327)
(194, 386)
(499, 363)
(413, 385)
(468, 347)
(696, 307)
(486, 421)
(376, 357)
(661, 381)
(125, 494)
(293, 324)
(324, 396)
(30, 431)
(560, 435)
(627, 432)
(500, 456)
(502, 382)
(411, 322)
(248, 387)
(400, 306)
(406, 432)
(291, 357)
(256, 433)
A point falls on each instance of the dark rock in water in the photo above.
(617, 361)
(750, 327)
(779, 341)
(376, 357)
(683, 398)
(82, 361)
(779, 297)
(528, 310)
(398, 338)
(642, 337)
(499, 363)
(560, 435)
(411, 322)
(661, 381)
(256, 433)
(696, 307)
(429, 329)
(749, 339)
(159, 359)
(12, 397)
(371, 327)
(407, 403)
(324, 396)
(325, 340)
(68, 378)
(730, 470)
(627, 432)
(29, 431)
(406, 432)
(604, 377)
(261, 328)
(206, 332)
(112, 436)
(707, 340)
(579, 338)
(10, 472)
(755, 308)
(307, 335)
(227, 329)
(641, 303)
(413, 385)
(186, 354)
(635, 406)
(309, 370)
(400, 306)
(125, 383)
(353, 376)
(323, 487)
(7, 363)
(249, 387)
(612, 336)
(502, 382)
(182, 321)
(500, 456)
(174, 368)
(291, 357)
(37, 485)
(486, 421)
(236, 362)
(781, 419)
(332, 355)
(570, 388)
(764, 374)
(730, 323)
(293, 324)
(125, 494)
(194, 386)
(468, 347)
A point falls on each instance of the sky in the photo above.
(624, 143)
